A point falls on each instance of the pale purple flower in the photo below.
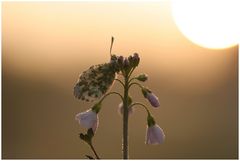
(153, 99)
(120, 109)
(88, 119)
(154, 135)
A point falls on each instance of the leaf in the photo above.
(89, 157)
(90, 133)
(82, 136)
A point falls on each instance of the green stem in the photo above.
(94, 151)
(141, 104)
(120, 82)
(125, 119)
(110, 94)
(130, 73)
(125, 113)
(132, 79)
(135, 84)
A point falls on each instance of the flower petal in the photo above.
(154, 135)
(95, 125)
(120, 109)
(88, 119)
(153, 99)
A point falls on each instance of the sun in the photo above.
(211, 24)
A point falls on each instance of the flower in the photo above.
(95, 82)
(130, 109)
(154, 135)
(152, 98)
(88, 119)
(120, 109)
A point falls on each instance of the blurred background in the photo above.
(45, 46)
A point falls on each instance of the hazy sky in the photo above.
(47, 45)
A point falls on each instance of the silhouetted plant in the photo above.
(94, 84)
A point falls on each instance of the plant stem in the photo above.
(136, 84)
(141, 104)
(120, 82)
(125, 119)
(94, 151)
(110, 94)
(131, 72)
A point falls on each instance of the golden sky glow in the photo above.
(46, 45)
(43, 38)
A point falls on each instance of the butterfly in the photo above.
(96, 81)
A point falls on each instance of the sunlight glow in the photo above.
(211, 24)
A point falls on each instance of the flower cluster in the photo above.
(95, 83)
(125, 65)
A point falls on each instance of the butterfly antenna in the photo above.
(112, 40)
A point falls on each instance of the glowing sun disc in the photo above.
(211, 24)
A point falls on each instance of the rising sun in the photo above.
(211, 24)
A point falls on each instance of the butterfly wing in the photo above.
(94, 82)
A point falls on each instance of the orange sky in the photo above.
(43, 38)
(45, 46)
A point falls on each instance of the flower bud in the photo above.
(126, 63)
(142, 77)
(130, 59)
(120, 61)
(152, 98)
(136, 59)
(126, 66)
